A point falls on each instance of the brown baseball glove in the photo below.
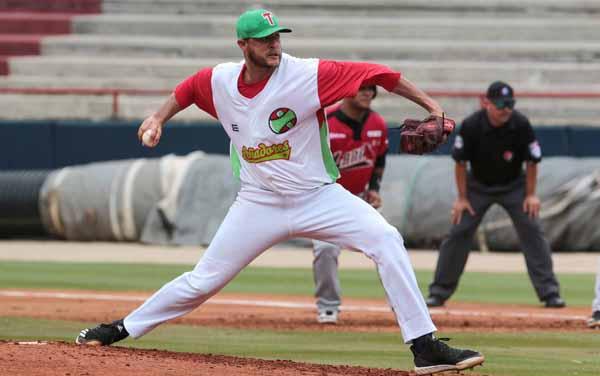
(424, 136)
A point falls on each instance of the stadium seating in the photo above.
(443, 45)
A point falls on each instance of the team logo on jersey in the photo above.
(374, 133)
(264, 153)
(355, 158)
(282, 120)
(336, 136)
(508, 155)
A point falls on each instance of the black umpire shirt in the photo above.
(496, 154)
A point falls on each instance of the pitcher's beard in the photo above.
(261, 62)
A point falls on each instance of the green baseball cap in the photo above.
(258, 23)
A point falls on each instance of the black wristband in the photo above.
(375, 183)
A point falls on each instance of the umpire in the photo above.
(495, 141)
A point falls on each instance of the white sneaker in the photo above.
(327, 317)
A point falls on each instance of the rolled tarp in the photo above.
(182, 201)
(19, 197)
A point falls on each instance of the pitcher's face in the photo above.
(262, 52)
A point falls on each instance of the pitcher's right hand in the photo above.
(151, 123)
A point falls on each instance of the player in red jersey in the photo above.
(359, 143)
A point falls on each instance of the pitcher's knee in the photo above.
(205, 282)
(199, 285)
(385, 244)
(386, 237)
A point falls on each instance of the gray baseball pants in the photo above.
(455, 249)
(325, 271)
(596, 303)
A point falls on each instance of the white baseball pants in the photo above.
(259, 219)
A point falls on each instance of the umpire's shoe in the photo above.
(434, 301)
(435, 356)
(554, 301)
(103, 334)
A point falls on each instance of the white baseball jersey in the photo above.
(279, 138)
(279, 134)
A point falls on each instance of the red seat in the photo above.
(52, 6)
(4, 70)
(34, 23)
(19, 44)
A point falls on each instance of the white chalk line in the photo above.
(293, 305)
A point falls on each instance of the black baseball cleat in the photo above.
(434, 301)
(436, 356)
(554, 301)
(103, 334)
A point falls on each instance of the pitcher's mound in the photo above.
(34, 358)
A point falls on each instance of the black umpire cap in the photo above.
(501, 94)
(499, 90)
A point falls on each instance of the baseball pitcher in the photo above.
(272, 107)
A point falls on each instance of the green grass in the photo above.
(475, 287)
(514, 354)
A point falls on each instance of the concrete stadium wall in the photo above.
(538, 46)
(52, 144)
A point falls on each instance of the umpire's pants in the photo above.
(455, 249)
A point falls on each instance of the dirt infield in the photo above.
(250, 311)
(285, 313)
(56, 358)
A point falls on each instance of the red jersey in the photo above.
(356, 147)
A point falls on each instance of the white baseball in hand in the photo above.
(147, 137)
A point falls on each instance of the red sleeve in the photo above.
(338, 79)
(197, 89)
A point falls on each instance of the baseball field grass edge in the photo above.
(499, 288)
